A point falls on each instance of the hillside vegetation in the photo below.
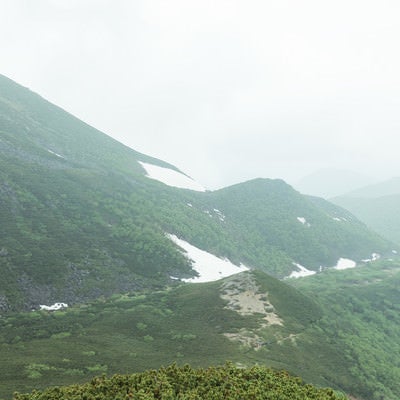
(188, 324)
(81, 219)
(362, 317)
(341, 331)
(186, 383)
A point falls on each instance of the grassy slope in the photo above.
(361, 316)
(345, 338)
(134, 333)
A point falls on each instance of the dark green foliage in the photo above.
(362, 318)
(267, 211)
(173, 382)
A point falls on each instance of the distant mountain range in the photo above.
(330, 182)
(377, 205)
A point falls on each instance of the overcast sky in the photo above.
(226, 90)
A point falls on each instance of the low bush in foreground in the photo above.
(173, 382)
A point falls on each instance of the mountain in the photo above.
(381, 189)
(330, 182)
(337, 329)
(119, 236)
(84, 216)
(361, 318)
(376, 205)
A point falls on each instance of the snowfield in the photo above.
(302, 273)
(345, 263)
(209, 267)
(170, 177)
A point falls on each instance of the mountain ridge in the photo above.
(83, 223)
(78, 206)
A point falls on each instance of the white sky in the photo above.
(226, 90)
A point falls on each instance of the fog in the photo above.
(225, 90)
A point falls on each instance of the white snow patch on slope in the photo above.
(58, 155)
(302, 273)
(345, 263)
(170, 177)
(209, 267)
(303, 221)
(374, 257)
(54, 307)
(220, 215)
(340, 219)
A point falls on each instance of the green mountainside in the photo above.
(376, 205)
(80, 218)
(81, 223)
(339, 329)
(247, 318)
(361, 316)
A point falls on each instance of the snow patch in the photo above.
(208, 266)
(345, 263)
(302, 273)
(208, 213)
(374, 257)
(220, 215)
(303, 221)
(170, 177)
(54, 307)
(340, 219)
(217, 213)
(58, 155)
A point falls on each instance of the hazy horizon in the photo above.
(227, 91)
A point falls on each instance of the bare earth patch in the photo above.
(243, 296)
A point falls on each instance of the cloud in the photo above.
(226, 90)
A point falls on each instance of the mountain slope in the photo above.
(338, 329)
(361, 316)
(83, 215)
(378, 206)
(311, 231)
(248, 318)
